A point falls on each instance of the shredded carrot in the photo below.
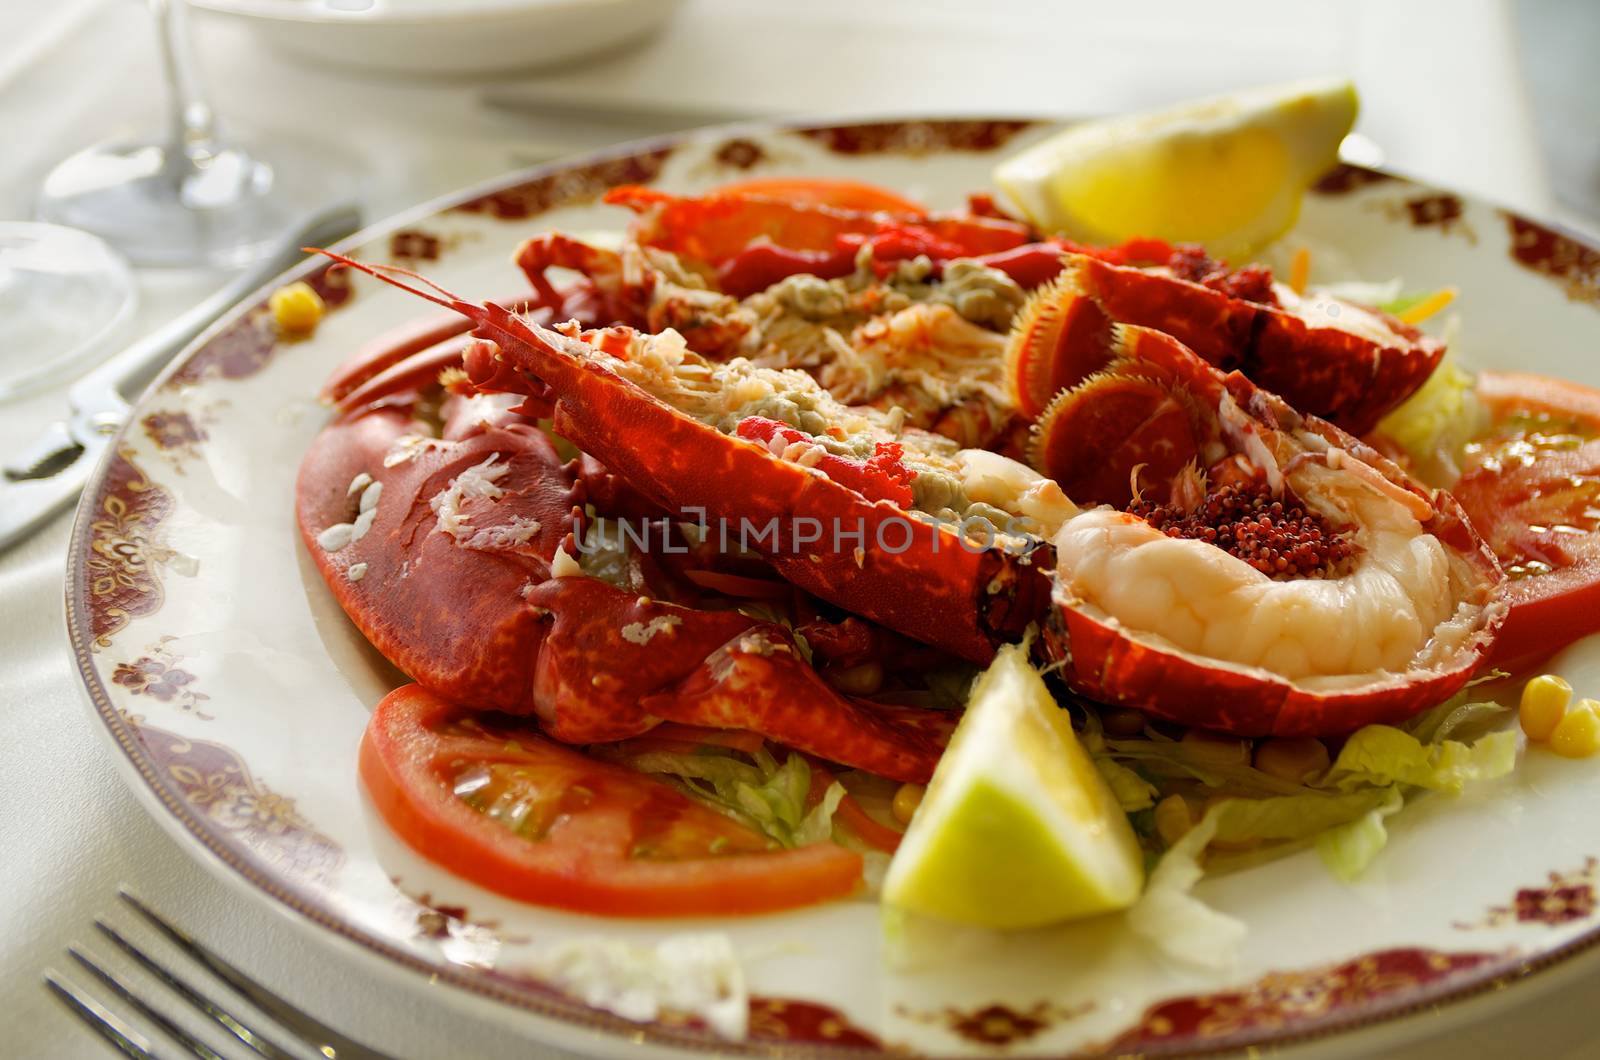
(1417, 313)
(1300, 270)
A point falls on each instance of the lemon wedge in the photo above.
(1017, 828)
(1226, 172)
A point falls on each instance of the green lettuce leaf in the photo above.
(1435, 422)
(1133, 792)
(763, 794)
(1178, 760)
(1380, 755)
(1169, 917)
(1347, 849)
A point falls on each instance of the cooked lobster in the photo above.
(868, 415)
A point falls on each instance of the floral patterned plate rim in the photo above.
(234, 690)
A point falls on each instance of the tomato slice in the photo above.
(1531, 486)
(821, 191)
(537, 821)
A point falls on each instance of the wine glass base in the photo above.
(65, 300)
(160, 208)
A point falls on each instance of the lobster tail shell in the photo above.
(871, 558)
(1347, 374)
(1112, 662)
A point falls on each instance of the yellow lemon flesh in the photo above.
(1017, 828)
(1227, 172)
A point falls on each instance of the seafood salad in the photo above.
(714, 545)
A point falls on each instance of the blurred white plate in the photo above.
(446, 36)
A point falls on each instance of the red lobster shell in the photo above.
(1345, 363)
(436, 517)
(968, 600)
(1216, 419)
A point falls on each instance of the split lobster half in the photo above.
(1222, 562)
(446, 523)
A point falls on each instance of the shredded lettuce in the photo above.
(1133, 792)
(1181, 926)
(1344, 815)
(1434, 423)
(1396, 300)
(1162, 757)
(817, 824)
(1380, 755)
(1170, 918)
(1380, 295)
(1347, 849)
(1458, 716)
(763, 794)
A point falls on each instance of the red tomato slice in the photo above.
(539, 822)
(1531, 487)
(820, 191)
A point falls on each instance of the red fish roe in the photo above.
(1279, 538)
(1253, 283)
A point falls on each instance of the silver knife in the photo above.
(50, 472)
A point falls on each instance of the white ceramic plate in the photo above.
(236, 690)
(446, 36)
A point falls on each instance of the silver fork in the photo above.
(304, 1029)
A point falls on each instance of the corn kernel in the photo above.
(906, 801)
(297, 308)
(1297, 760)
(1206, 748)
(1173, 818)
(1544, 703)
(1577, 735)
(862, 680)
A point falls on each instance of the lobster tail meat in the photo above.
(1287, 580)
(1342, 362)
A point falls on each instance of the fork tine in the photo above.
(327, 1041)
(122, 990)
(100, 1019)
(238, 1028)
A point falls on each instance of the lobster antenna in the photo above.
(396, 276)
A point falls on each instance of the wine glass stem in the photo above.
(194, 122)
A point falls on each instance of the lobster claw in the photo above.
(364, 502)
(446, 551)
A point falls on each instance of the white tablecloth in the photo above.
(77, 70)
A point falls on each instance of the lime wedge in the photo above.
(1227, 172)
(1017, 828)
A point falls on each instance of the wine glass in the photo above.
(195, 196)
